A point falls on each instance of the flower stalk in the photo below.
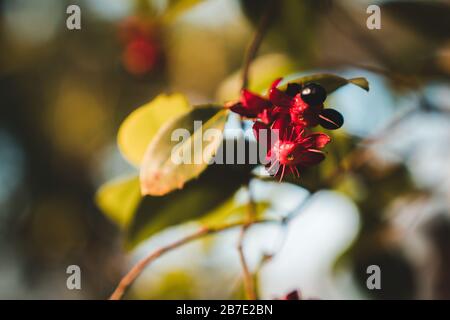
(131, 276)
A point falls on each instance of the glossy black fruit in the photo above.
(313, 94)
(331, 119)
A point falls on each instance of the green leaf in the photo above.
(214, 186)
(230, 212)
(330, 82)
(141, 125)
(160, 173)
(119, 199)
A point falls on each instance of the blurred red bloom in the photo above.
(140, 56)
(293, 295)
(142, 49)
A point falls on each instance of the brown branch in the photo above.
(302, 206)
(268, 257)
(248, 278)
(249, 283)
(351, 29)
(250, 54)
(129, 278)
(252, 49)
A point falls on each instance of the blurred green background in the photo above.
(65, 92)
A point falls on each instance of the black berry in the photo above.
(331, 119)
(313, 94)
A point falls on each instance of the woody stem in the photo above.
(252, 50)
(129, 278)
(254, 45)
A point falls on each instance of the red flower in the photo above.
(293, 149)
(278, 97)
(285, 116)
(252, 106)
(303, 114)
(304, 104)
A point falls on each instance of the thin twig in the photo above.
(252, 49)
(365, 40)
(300, 208)
(129, 278)
(249, 284)
(268, 257)
(248, 278)
(250, 54)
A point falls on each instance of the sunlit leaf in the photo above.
(160, 173)
(214, 186)
(230, 211)
(119, 199)
(330, 82)
(141, 125)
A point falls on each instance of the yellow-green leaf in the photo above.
(119, 199)
(142, 124)
(160, 174)
(330, 82)
(230, 212)
(215, 185)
